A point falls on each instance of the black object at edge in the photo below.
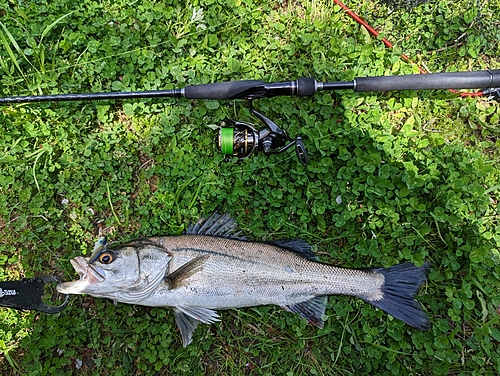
(27, 294)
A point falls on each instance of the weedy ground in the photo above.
(393, 177)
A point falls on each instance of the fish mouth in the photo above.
(89, 275)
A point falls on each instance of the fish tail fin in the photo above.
(401, 283)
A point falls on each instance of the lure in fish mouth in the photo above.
(89, 274)
(213, 266)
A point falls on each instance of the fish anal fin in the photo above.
(312, 310)
(178, 276)
(186, 325)
(299, 246)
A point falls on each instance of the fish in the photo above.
(214, 266)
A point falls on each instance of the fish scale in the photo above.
(199, 273)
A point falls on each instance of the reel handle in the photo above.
(301, 152)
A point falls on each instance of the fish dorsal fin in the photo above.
(217, 225)
(312, 310)
(186, 325)
(178, 276)
(298, 246)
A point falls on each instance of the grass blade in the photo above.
(5, 67)
(41, 49)
(34, 169)
(6, 44)
(12, 362)
(491, 189)
(52, 25)
(111, 205)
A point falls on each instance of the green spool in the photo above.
(226, 141)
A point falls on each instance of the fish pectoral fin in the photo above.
(186, 325)
(312, 310)
(205, 315)
(175, 279)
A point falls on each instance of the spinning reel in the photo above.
(241, 139)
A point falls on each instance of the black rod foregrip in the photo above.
(250, 89)
(222, 90)
(454, 80)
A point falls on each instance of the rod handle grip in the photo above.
(454, 80)
(222, 90)
(251, 89)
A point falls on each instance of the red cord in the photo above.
(468, 94)
(388, 44)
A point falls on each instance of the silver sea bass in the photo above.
(214, 267)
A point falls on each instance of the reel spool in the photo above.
(241, 139)
(237, 139)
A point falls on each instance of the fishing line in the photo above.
(64, 266)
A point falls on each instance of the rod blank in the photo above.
(249, 89)
(94, 96)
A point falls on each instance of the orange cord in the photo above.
(388, 44)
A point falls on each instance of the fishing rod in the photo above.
(242, 139)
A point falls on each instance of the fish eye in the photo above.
(106, 257)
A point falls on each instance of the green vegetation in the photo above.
(417, 174)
